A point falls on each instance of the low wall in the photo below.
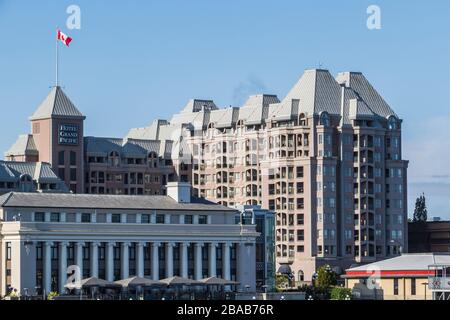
(271, 296)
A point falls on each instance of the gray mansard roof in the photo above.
(92, 201)
(133, 148)
(316, 91)
(348, 96)
(24, 145)
(56, 104)
(40, 172)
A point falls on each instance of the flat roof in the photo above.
(406, 264)
(96, 201)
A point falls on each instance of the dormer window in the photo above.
(114, 159)
(324, 119)
(392, 123)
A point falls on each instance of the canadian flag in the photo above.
(64, 38)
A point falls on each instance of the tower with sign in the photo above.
(57, 131)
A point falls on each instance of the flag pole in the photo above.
(57, 71)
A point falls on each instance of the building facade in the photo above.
(29, 177)
(264, 220)
(430, 236)
(327, 159)
(415, 276)
(116, 237)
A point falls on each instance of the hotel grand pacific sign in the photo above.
(68, 134)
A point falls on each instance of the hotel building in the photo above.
(29, 177)
(327, 159)
(116, 237)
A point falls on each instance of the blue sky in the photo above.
(135, 61)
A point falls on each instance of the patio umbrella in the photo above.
(179, 281)
(92, 282)
(139, 282)
(213, 281)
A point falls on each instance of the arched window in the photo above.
(114, 159)
(26, 183)
(152, 160)
(324, 119)
(300, 276)
(392, 123)
(302, 119)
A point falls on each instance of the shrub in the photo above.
(339, 293)
(52, 295)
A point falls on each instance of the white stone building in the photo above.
(115, 237)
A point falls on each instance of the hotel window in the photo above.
(62, 173)
(55, 217)
(377, 187)
(101, 252)
(39, 251)
(348, 250)
(377, 141)
(115, 218)
(202, 219)
(8, 251)
(70, 252)
(39, 216)
(377, 203)
(36, 128)
(145, 218)
(147, 252)
(395, 286)
(332, 202)
(85, 217)
(300, 219)
(300, 235)
(61, 158)
(54, 252)
(73, 158)
(299, 172)
(132, 252)
(160, 218)
(413, 286)
(377, 172)
(73, 174)
(189, 219)
(117, 253)
(300, 248)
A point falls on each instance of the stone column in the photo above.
(226, 261)
(140, 259)
(198, 261)
(125, 261)
(169, 259)
(184, 259)
(62, 266)
(110, 261)
(47, 276)
(212, 267)
(79, 256)
(155, 260)
(94, 259)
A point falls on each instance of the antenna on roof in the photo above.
(320, 65)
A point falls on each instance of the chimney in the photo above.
(179, 191)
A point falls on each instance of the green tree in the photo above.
(281, 281)
(420, 210)
(326, 277)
